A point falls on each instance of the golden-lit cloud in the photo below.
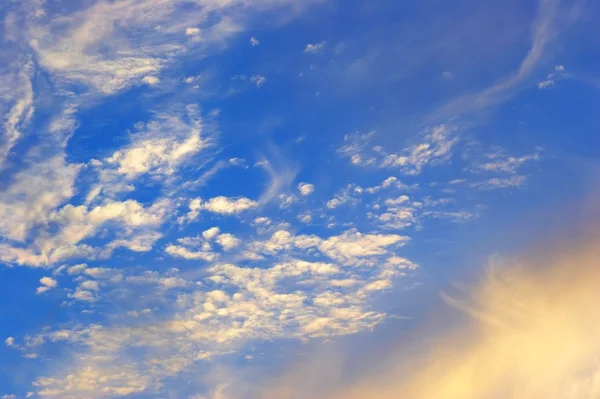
(532, 331)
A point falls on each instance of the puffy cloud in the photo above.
(353, 245)
(306, 189)
(233, 305)
(221, 205)
(389, 182)
(211, 233)
(47, 283)
(228, 241)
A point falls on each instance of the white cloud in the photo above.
(258, 80)
(353, 245)
(47, 283)
(546, 84)
(496, 182)
(315, 48)
(254, 42)
(211, 233)
(305, 217)
(185, 253)
(498, 162)
(151, 80)
(389, 182)
(228, 241)
(234, 305)
(306, 189)
(435, 148)
(285, 200)
(347, 195)
(221, 205)
(21, 112)
(262, 220)
(192, 31)
(238, 162)
(10, 342)
(158, 148)
(109, 46)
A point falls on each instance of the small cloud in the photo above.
(448, 75)
(192, 31)
(211, 233)
(239, 162)
(546, 84)
(306, 189)
(151, 80)
(47, 283)
(315, 48)
(254, 42)
(258, 79)
(10, 342)
(305, 218)
(559, 68)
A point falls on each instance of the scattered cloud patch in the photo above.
(47, 283)
(315, 48)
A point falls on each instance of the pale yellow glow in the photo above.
(533, 331)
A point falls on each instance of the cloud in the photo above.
(559, 73)
(192, 31)
(281, 175)
(20, 113)
(211, 233)
(222, 205)
(315, 48)
(529, 333)
(228, 241)
(347, 195)
(158, 148)
(151, 80)
(47, 283)
(552, 19)
(435, 149)
(108, 47)
(352, 245)
(499, 162)
(258, 80)
(306, 189)
(254, 42)
(387, 183)
(230, 306)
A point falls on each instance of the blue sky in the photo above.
(196, 193)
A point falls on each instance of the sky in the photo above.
(284, 199)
